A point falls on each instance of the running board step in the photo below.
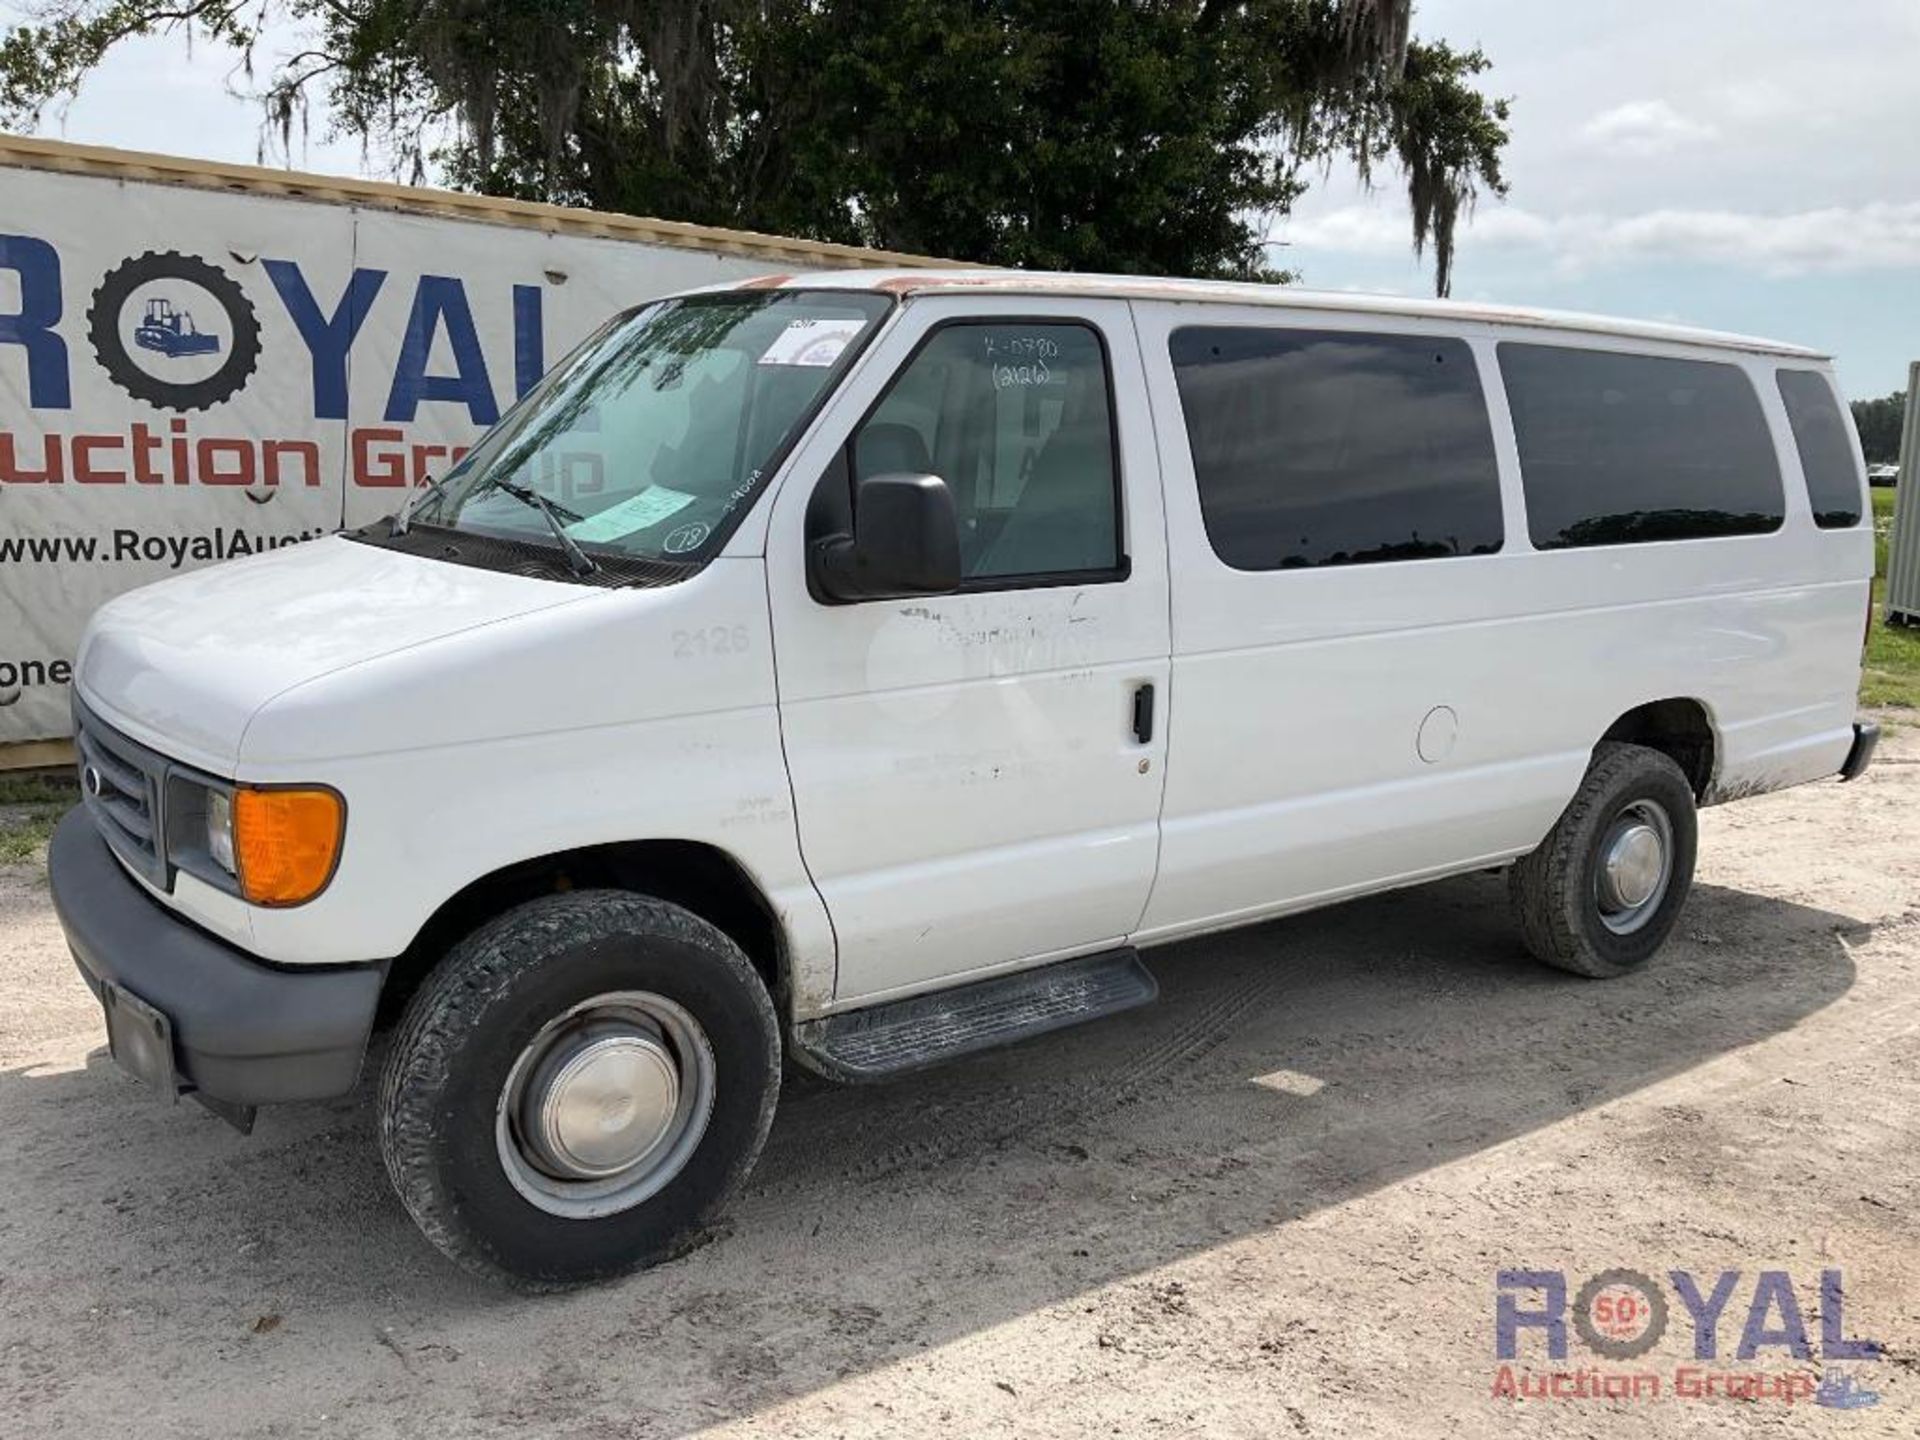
(924, 1030)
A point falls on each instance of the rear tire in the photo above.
(578, 1088)
(1605, 888)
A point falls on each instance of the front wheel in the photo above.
(579, 1087)
(1604, 889)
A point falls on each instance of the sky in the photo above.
(1749, 165)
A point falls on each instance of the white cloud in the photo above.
(1836, 239)
(1645, 127)
(1757, 99)
(1878, 236)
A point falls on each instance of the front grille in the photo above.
(123, 785)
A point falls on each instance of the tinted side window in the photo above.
(1622, 448)
(1826, 454)
(1329, 448)
(1014, 416)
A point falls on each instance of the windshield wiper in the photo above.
(401, 521)
(581, 562)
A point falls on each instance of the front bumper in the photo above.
(1866, 735)
(244, 1033)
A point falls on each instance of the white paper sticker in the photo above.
(815, 343)
(687, 537)
(636, 512)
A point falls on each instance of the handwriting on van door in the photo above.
(1021, 360)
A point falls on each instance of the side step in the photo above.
(924, 1030)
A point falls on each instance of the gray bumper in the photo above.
(245, 1033)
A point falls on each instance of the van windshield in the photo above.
(650, 437)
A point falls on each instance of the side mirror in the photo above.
(905, 541)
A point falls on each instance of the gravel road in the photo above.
(1273, 1204)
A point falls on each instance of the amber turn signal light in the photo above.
(286, 842)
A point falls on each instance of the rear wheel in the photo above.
(579, 1087)
(1604, 889)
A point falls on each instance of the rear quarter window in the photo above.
(1314, 448)
(1826, 450)
(1620, 449)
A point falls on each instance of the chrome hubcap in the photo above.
(601, 1104)
(605, 1104)
(1633, 866)
(1636, 864)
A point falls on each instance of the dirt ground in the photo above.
(1274, 1204)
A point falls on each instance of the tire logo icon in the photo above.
(174, 331)
(1620, 1314)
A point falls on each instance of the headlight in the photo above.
(274, 845)
(286, 842)
(220, 829)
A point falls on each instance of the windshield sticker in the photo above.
(636, 512)
(812, 343)
(687, 537)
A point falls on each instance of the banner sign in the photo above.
(189, 375)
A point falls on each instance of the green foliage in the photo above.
(1153, 136)
(1879, 423)
(1890, 673)
(30, 806)
(1883, 502)
(52, 57)
(1448, 138)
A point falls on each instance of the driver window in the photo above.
(1015, 418)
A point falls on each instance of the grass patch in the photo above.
(30, 789)
(24, 837)
(1890, 673)
(1882, 526)
(30, 806)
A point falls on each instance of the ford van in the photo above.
(856, 671)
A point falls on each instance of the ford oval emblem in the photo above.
(91, 779)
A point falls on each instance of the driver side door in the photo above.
(977, 775)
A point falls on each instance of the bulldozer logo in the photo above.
(174, 330)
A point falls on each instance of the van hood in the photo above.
(184, 665)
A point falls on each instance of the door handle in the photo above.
(1143, 714)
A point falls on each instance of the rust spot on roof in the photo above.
(765, 282)
(913, 284)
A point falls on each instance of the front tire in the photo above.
(1605, 888)
(578, 1088)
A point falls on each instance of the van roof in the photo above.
(1223, 292)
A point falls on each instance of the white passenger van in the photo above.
(865, 669)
